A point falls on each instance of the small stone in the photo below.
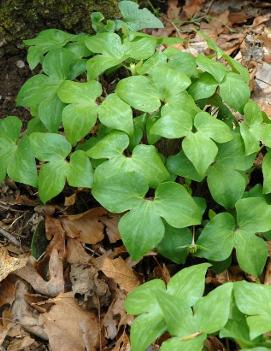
(20, 64)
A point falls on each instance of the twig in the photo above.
(10, 237)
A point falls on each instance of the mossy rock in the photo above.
(23, 19)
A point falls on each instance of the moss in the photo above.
(23, 19)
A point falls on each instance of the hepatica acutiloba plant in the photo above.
(170, 141)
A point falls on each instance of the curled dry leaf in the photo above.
(21, 344)
(5, 324)
(54, 285)
(191, 7)
(118, 270)
(69, 327)
(9, 264)
(86, 226)
(56, 234)
(115, 316)
(123, 343)
(76, 254)
(111, 227)
(7, 289)
(88, 287)
(26, 316)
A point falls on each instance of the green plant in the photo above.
(234, 310)
(111, 135)
(168, 139)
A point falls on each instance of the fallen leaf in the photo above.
(90, 290)
(56, 234)
(261, 19)
(5, 324)
(21, 344)
(122, 344)
(115, 316)
(86, 226)
(238, 17)
(191, 7)
(111, 227)
(54, 285)
(76, 254)
(9, 264)
(24, 315)
(7, 290)
(118, 270)
(70, 200)
(69, 327)
(173, 10)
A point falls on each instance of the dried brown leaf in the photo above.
(118, 270)
(115, 316)
(69, 327)
(111, 227)
(9, 264)
(22, 313)
(191, 7)
(86, 226)
(76, 254)
(54, 285)
(122, 344)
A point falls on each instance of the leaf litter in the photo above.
(71, 296)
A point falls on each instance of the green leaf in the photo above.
(213, 311)
(10, 128)
(52, 178)
(105, 43)
(58, 62)
(140, 49)
(204, 87)
(252, 113)
(147, 161)
(182, 61)
(175, 243)
(22, 166)
(253, 214)
(142, 335)
(251, 299)
(179, 164)
(176, 205)
(266, 167)
(174, 122)
(136, 18)
(213, 127)
(50, 113)
(215, 69)
(78, 120)
(251, 137)
(50, 39)
(7, 149)
(251, 252)
(200, 150)
(99, 64)
(110, 146)
(216, 241)
(172, 82)
(80, 173)
(119, 193)
(225, 181)
(189, 283)
(234, 91)
(141, 229)
(142, 299)
(34, 56)
(180, 321)
(176, 344)
(226, 185)
(49, 146)
(115, 113)
(35, 90)
(75, 92)
(138, 92)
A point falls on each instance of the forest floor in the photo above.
(73, 294)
